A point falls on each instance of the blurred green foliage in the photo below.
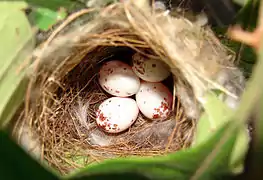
(17, 43)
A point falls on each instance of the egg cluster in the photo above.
(144, 81)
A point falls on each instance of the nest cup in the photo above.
(64, 94)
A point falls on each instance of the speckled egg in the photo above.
(151, 70)
(118, 79)
(116, 114)
(154, 100)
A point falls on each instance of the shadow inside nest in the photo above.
(74, 128)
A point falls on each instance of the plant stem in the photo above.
(253, 91)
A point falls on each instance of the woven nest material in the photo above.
(64, 93)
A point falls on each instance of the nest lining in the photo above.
(144, 138)
(65, 92)
(67, 125)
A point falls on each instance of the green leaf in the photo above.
(45, 18)
(241, 2)
(115, 176)
(259, 121)
(16, 44)
(17, 164)
(239, 151)
(216, 115)
(51, 4)
(18, 5)
(247, 16)
(180, 165)
(255, 162)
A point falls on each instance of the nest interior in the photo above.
(71, 119)
(70, 130)
(65, 93)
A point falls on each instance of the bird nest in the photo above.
(64, 92)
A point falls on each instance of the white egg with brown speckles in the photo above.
(117, 114)
(118, 79)
(151, 70)
(154, 100)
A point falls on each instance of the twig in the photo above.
(171, 137)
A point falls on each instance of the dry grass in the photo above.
(64, 94)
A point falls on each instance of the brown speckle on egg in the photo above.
(158, 102)
(102, 117)
(110, 71)
(112, 121)
(115, 127)
(140, 70)
(161, 111)
(149, 69)
(109, 125)
(156, 116)
(157, 109)
(103, 126)
(106, 88)
(111, 75)
(164, 106)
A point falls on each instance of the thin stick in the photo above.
(171, 137)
